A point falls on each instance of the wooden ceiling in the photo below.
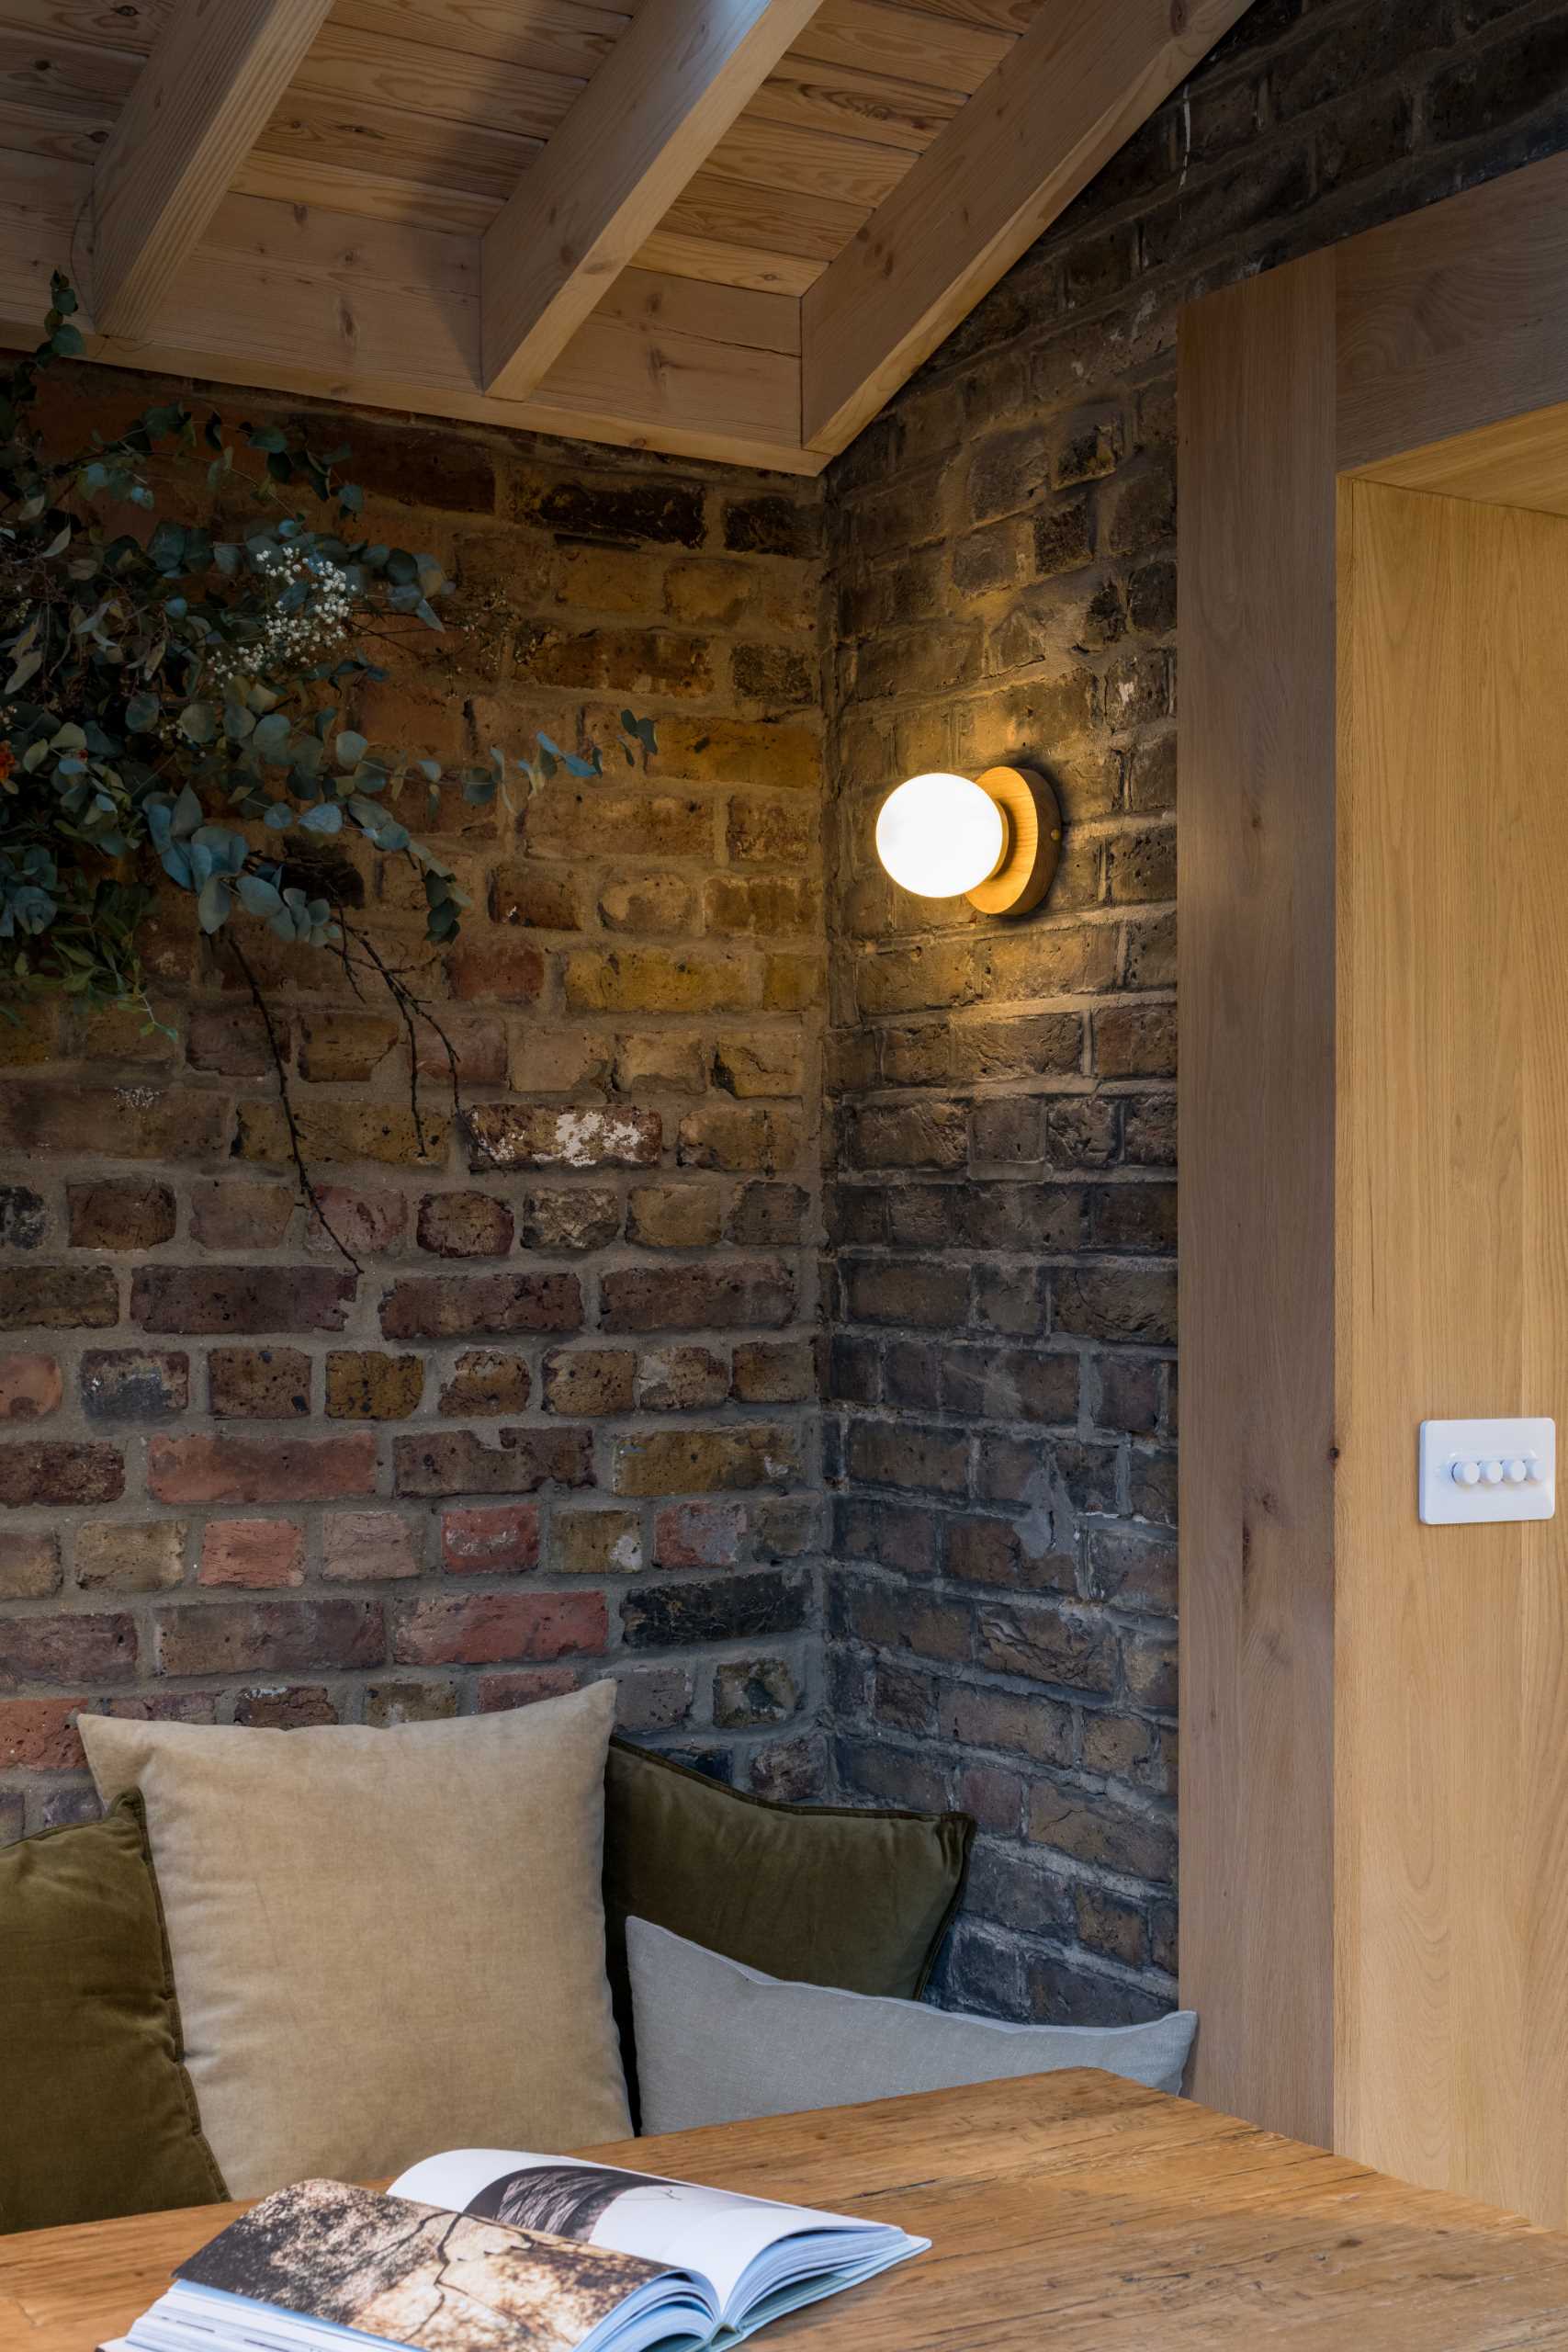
(722, 228)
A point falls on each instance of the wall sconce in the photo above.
(994, 841)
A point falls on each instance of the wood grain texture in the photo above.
(705, 371)
(1050, 112)
(545, 36)
(663, 98)
(1073, 2210)
(1451, 1684)
(109, 24)
(194, 111)
(353, 67)
(876, 37)
(1523, 462)
(1255, 994)
(1453, 319)
(866, 106)
(1436, 811)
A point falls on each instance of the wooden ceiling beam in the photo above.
(1082, 79)
(663, 98)
(217, 69)
(293, 299)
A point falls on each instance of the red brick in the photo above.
(227, 1469)
(654, 1697)
(367, 1223)
(458, 1462)
(269, 1636)
(240, 1215)
(363, 1546)
(491, 1628)
(29, 1566)
(37, 1473)
(253, 1552)
(498, 1693)
(694, 1296)
(698, 1535)
(495, 1542)
(495, 967)
(465, 1225)
(590, 1381)
(339, 1047)
(286, 1706)
(241, 1298)
(100, 1648)
(30, 1387)
(40, 1735)
(231, 1040)
(479, 1045)
(123, 1123)
(120, 1216)
(460, 1307)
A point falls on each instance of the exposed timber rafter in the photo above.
(194, 114)
(1083, 78)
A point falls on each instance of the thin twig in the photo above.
(412, 1008)
(308, 1192)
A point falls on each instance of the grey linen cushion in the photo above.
(718, 2042)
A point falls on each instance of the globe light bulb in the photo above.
(940, 835)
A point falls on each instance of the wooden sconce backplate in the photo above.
(1034, 842)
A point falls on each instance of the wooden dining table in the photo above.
(1067, 2213)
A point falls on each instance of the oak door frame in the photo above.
(1432, 354)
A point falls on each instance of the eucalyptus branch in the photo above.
(412, 1008)
(308, 1192)
(177, 707)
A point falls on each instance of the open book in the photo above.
(481, 2251)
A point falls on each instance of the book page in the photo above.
(416, 2274)
(714, 2231)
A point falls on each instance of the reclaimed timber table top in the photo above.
(1068, 2212)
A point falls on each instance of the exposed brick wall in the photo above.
(563, 1422)
(1002, 1436)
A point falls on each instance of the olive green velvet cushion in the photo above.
(821, 1894)
(97, 2116)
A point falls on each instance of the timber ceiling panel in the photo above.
(723, 228)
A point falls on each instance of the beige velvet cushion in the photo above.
(385, 1942)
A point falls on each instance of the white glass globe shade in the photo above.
(940, 835)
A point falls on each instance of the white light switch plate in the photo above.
(1485, 1470)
